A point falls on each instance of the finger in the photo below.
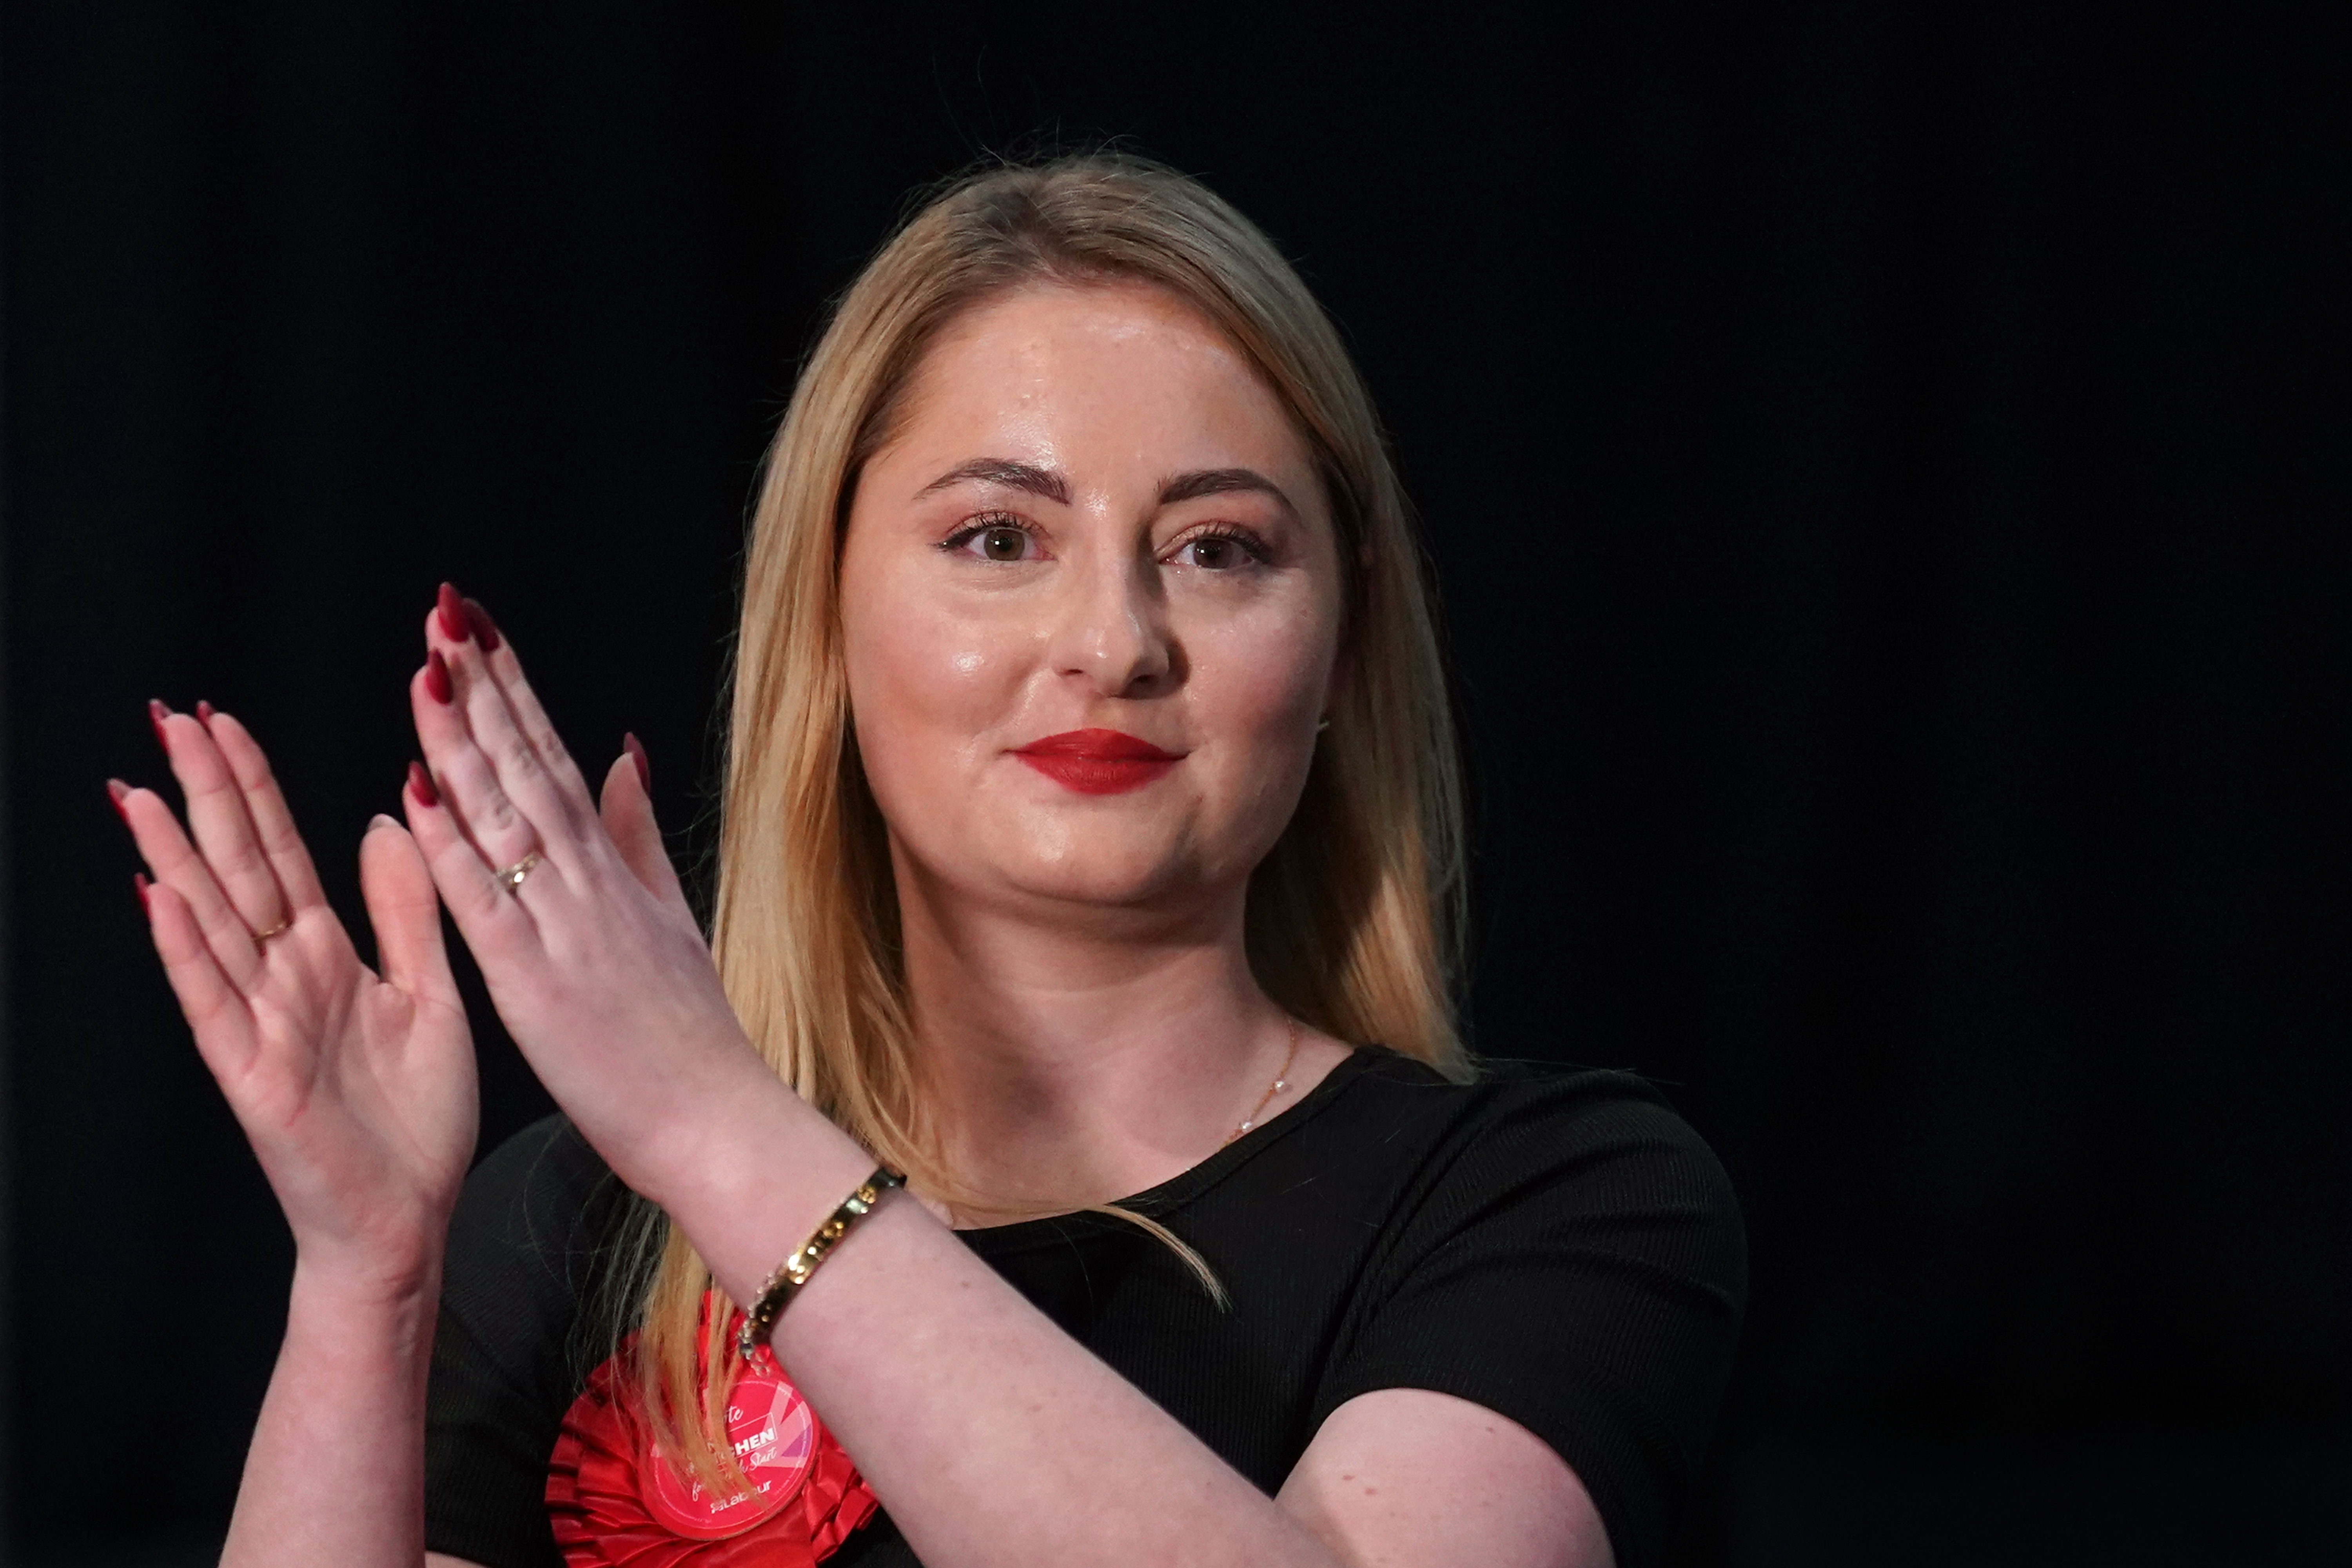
(471, 795)
(220, 824)
(215, 1010)
(405, 912)
(176, 866)
(505, 666)
(629, 817)
(273, 822)
(486, 912)
(505, 714)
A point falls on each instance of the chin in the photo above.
(1111, 864)
(1134, 860)
(1110, 879)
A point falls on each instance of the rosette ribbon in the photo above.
(616, 1500)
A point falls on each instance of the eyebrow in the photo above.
(1190, 485)
(1219, 481)
(1007, 472)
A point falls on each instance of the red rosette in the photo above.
(616, 1500)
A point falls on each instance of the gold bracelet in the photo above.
(793, 1272)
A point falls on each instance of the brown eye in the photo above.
(1220, 552)
(1002, 544)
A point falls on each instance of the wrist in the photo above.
(393, 1284)
(653, 1121)
(722, 1137)
(750, 1176)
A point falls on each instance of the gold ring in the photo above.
(281, 928)
(513, 875)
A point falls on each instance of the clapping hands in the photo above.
(356, 1088)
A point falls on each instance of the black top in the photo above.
(1553, 1244)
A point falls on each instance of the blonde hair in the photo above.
(1352, 919)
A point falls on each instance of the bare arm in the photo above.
(996, 1439)
(336, 1469)
(1365, 1485)
(357, 1093)
(991, 1436)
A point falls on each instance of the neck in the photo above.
(1071, 1064)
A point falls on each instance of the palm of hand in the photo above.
(356, 1090)
(355, 1086)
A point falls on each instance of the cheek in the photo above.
(923, 689)
(1263, 671)
(913, 669)
(1259, 690)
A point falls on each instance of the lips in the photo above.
(1097, 762)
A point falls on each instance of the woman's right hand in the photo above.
(357, 1089)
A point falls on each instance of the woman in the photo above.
(1089, 851)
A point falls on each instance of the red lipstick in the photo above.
(1097, 762)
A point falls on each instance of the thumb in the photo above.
(406, 912)
(628, 814)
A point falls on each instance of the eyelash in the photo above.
(987, 523)
(1250, 544)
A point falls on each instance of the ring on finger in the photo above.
(281, 928)
(513, 875)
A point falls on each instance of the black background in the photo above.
(1879, 510)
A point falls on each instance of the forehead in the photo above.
(1093, 373)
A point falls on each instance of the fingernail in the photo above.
(118, 791)
(156, 714)
(380, 820)
(436, 677)
(139, 882)
(637, 755)
(204, 712)
(420, 785)
(485, 628)
(451, 607)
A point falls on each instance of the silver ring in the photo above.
(513, 875)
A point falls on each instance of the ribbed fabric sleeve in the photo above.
(1577, 1264)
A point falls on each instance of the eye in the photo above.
(995, 539)
(1220, 549)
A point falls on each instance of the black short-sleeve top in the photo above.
(1551, 1242)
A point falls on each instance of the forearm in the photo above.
(994, 1437)
(336, 1471)
(991, 1436)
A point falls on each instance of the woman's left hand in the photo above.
(591, 953)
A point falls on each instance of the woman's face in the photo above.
(1090, 607)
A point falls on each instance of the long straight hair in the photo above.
(1353, 917)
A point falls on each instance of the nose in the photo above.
(1112, 631)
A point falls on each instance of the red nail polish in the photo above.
(118, 791)
(485, 628)
(437, 678)
(451, 608)
(420, 785)
(139, 883)
(156, 714)
(637, 755)
(204, 712)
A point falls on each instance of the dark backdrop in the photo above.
(1877, 522)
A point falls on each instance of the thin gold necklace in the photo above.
(1281, 1081)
